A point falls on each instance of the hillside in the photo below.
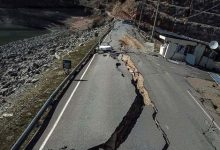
(193, 18)
(180, 16)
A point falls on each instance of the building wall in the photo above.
(170, 50)
(207, 63)
(199, 50)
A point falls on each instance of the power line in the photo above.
(203, 11)
(191, 7)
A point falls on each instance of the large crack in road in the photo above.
(142, 99)
(167, 142)
(139, 80)
(129, 120)
(126, 125)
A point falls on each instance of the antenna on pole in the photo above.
(213, 45)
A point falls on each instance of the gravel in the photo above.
(21, 62)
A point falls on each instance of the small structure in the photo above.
(66, 66)
(193, 51)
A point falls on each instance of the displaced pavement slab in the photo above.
(180, 117)
(182, 120)
(106, 96)
(144, 135)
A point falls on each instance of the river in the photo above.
(9, 33)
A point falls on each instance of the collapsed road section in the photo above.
(126, 125)
(129, 121)
(137, 78)
(139, 84)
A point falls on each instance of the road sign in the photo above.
(66, 66)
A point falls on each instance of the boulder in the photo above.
(7, 115)
(34, 80)
(36, 65)
(3, 91)
(6, 85)
(6, 91)
(12, 73)
(12, 55)
(52, 51)
(2, 100)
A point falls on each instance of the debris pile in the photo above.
(138, 79)
(128, 40)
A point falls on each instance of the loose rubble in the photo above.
(6, 115)
(22, 62)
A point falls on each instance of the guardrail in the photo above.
(59, 90)
(215, 77)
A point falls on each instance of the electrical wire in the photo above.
(184, 18)
(202, 11)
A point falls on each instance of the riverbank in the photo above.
(32, 68)
(21, 62)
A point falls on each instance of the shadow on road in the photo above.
(126, 125)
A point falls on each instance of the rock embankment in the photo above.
(22, 61)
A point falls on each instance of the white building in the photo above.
(194, 52)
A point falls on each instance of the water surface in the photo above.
(9, 33)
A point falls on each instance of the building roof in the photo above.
(177, 36)
(178, 41)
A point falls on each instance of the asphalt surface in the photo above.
(105, 95)
(95, 110)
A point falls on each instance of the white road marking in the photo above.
(65, 106)
(217, 126)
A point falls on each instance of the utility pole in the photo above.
(187, 15)
(155, 20)
(190, 7)
(142, 7)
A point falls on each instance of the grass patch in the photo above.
(32, 99)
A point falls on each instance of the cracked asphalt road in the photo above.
(105, 99)
(181, 119)
(101, 101)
